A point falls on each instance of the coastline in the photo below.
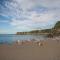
(50, 50)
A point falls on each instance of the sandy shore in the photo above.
(49, 51)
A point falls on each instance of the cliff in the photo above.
(54, 31)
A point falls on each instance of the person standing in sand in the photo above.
(18, 42)
(40, 44)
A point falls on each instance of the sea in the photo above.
(10, 38)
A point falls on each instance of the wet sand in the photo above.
(49, 51)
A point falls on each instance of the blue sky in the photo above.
(27, 15)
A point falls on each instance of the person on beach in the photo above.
(18, 42)
(39, 43)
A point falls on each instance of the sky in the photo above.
(27, 15)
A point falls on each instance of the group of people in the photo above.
(39, 43)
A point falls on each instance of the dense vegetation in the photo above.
(56, 29)
(57, 25)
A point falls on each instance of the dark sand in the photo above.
(49, 51)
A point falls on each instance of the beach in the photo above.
(50, 50)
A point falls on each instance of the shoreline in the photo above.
(49, 50)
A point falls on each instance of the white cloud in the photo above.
(35, 21)
(34, 18)
(19, 8)
(22, 17)
(43, 17)
(48, 3)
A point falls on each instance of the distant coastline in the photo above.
(54, 31)
(35, 32)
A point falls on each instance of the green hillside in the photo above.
(53, 31)
(57, 25)
(56, 30)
